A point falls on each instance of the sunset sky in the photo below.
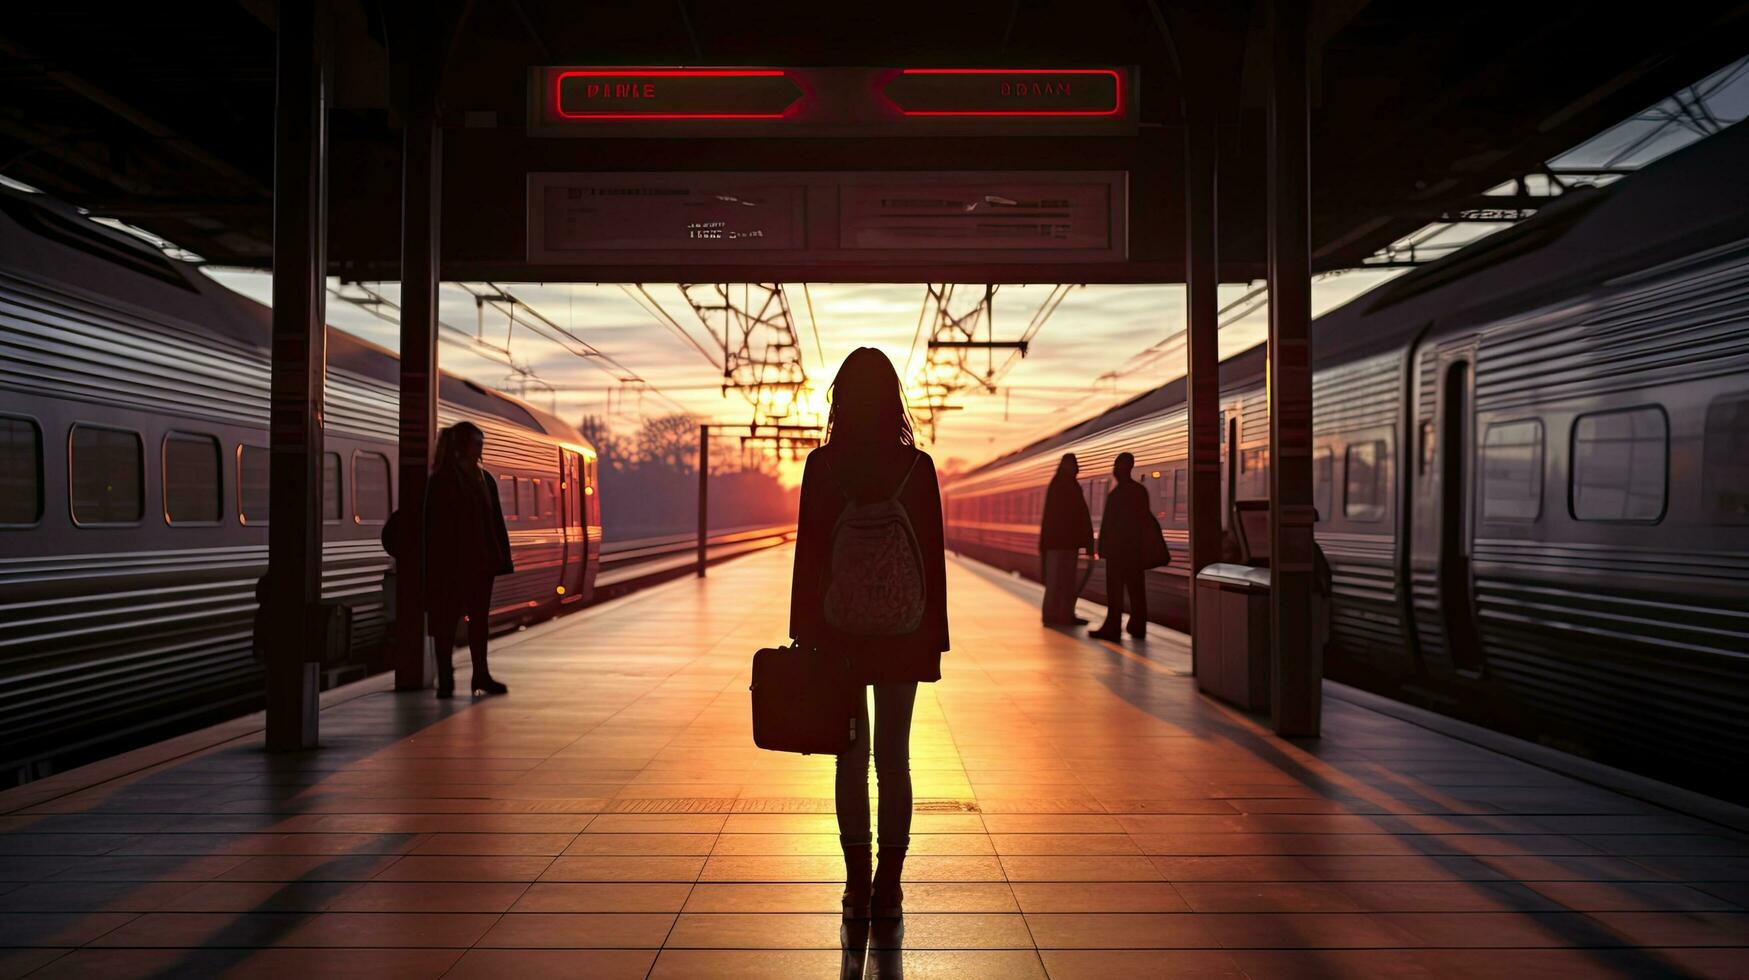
(1084, 359)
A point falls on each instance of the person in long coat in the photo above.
(1122, 530)
(466, 546)
(869, 456)
(1064, 530)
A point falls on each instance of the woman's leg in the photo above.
(892, 752)
(851, 786)
(1114, 589)
(851, 792)
(1048, 572)
(479, 624)
(1137, 584)
(892, 756)
(444, 621)
(1057, 602)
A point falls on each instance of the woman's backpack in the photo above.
(875, 578)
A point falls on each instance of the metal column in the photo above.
(1202, 323)
(421, 220)
(1296, 664)
(704, 487)
(294, 533)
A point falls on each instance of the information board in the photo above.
(999, 213)
(705, 212)
(822, 217)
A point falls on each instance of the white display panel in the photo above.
(825, 217)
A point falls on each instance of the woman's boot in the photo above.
(445, 677)
(483, 680)
(489, 686)
(888, 899)
(858, 865)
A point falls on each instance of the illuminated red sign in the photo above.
(996, 92)
(661, 93)
(607, 101)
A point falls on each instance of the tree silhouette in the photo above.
(670, 441)
(614, 451)
(649, 479)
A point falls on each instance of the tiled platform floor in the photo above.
(1081, 813)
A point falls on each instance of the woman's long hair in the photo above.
(452, 445)
(868, 402)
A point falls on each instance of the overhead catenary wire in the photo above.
(922, 313)
(506, 300)
(1234, 311)
(650, 305)
(1040, 317)
(387, 310)
(813, 321)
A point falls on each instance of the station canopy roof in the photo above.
(161, 115)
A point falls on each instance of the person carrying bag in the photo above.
(868, 607)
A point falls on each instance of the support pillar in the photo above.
(1297, 669)
(421, 221)
(704, 487)
(294, 532)
(1202, 324)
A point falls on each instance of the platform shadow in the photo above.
(167, 825)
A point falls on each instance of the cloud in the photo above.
(1096, 330)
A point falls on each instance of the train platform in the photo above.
(1081, 812)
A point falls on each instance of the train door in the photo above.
(1445, 610)
(1229, 465)
(571, 508)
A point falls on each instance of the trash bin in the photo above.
(1232, 634)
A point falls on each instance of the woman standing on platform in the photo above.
(1065, 529)
(870, 585)
(466, 545)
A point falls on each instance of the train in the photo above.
(133, 492)
(1531, 475)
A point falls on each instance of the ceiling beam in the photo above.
(49, 144)
(164, 135)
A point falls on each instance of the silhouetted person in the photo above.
(1127, 519)
(466, 545)
(868, 589)
(1065, 529)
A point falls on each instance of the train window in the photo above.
(1363, 494)
(107, 468)
(1429, 443)
(252, 481)
(507, 496)
(1323, 481)
(1724, 468)
(1620, 460)
(527, 498)
(1180, 496)
(191, 478)
(21, 472)
(255, 477)
(1512, 471)
(370, 488)
(332, 496)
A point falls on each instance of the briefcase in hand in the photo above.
(803, 701)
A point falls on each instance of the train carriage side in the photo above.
(133, 492)
(1607, 530)
(1529, 468)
